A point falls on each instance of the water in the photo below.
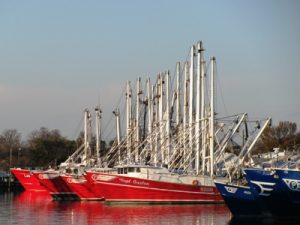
(39, 209)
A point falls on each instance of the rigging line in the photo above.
(110, 119)
(77, 130)
(182, 65)
(221, 91)
(108, 123)
(144, 89)
(207, 78)
(230, 116)
(109, 133)
(255, 119)
(105, 130)
(121, 96)
(141, 100)
(122, 123)
(173, 78)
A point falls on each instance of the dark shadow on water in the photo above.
(265, 221)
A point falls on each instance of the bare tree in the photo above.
(10, 142)
(48, 147)
(283, 136)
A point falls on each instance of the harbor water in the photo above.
(39, 209)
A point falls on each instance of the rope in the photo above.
(78, 127)
(221, 91)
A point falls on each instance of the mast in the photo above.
(212, 116)
(234, 130)
(156, 118)
(117, 114)
(87, 127)
(161, 131)
(202, 117)
(150, 113)
(191, 98)
(167, 111)
(138, 93)
(178, 93)
(128, 120)
(198, 107)
(98, 135)
(243, 154)
(185, 111)
(242, 157)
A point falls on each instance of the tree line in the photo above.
(283, 136)
(45, 147)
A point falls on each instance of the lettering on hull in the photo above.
(76, 180)
(96, 177)
(265, 187)
(292, 184)
(47, 176)
(231, 189)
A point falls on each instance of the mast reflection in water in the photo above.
(31, 208)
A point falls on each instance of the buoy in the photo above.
(195, 182)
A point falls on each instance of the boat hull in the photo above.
(290, 179)
(240, 200)
(56, 186)
(116, 188)
(28, 181)
(266, 186)
(79, 185)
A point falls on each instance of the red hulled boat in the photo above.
(79, 185)
(151, 184)
(28, 180)
(56, 186)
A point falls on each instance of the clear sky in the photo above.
(59, 57)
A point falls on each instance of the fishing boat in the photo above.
(236, 191)
(134, 183)
(240, 200)
(148, 153)
(172, 149)
(28, 181)
(290, 180)
(266, 186)
(67, 182)
(264, 189)
(74, 176)
(56, 186)
(79, 184)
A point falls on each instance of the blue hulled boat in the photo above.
(240, 200)
(267, 187)
(290, 180)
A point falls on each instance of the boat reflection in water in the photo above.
(30, 208)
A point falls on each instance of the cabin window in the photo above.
(125, 170)
(130, 169)
(138, 169)
(120, 171)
